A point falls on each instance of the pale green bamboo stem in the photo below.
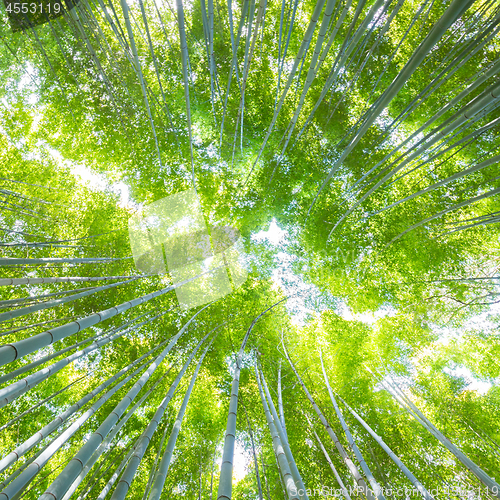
(143, 442)
(290, 486)
(475, 106)
(34, 199)
(297, 479)
(28, 184)
(265, 475)
(379, 38)
(234, 63)
(8, 261)
(154, 467)
(18, 471)
(226, 471)
(231, 32)
(254, 453)
(24, 311)
(492, 486)
(126, 13)
(350, 464)
(469, 226)
(184, 58)
(334, 73)
(303, 47)
(354, 447)
(447, 72)
(55, 423)
(16, 350)
(458, 175)
(443, 212)
(314, 66)
(246, 67)
(161, 474)
(64, 480)
(34, 298)
(155, 62)
(453, 12)
(91, 485)
(37, 245)
(41, 403)
(37, 465)
(330, 463)
(416, 483)
(438, 151)
(34, 325)
(280, 404)
(103, 446)
(79, 25)
(14, 390)
(116, 474)
(44, 359)
(59, 279)
(211, 58)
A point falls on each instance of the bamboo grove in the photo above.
(359, 358)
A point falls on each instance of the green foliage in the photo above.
(416, 308)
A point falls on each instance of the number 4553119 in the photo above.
(33, 8)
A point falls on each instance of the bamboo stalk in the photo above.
(284, 443)
(23, 311)
(33, 469)
(330, 463)
(472, 108)
(41, 403)
(290, 486)
(154, 467)
(354, 447)
(303, 47)
(453, 12)
(226, 471)
(161, 474)
(55, 423)
(104, 445)
(14, 390)
(143, 442)
(126, 14)
(60, 279)
(416, 483)
(280, 404)
(492, 486)
(350, 464)
(185, 63)
(64, 480)
(16, 350)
